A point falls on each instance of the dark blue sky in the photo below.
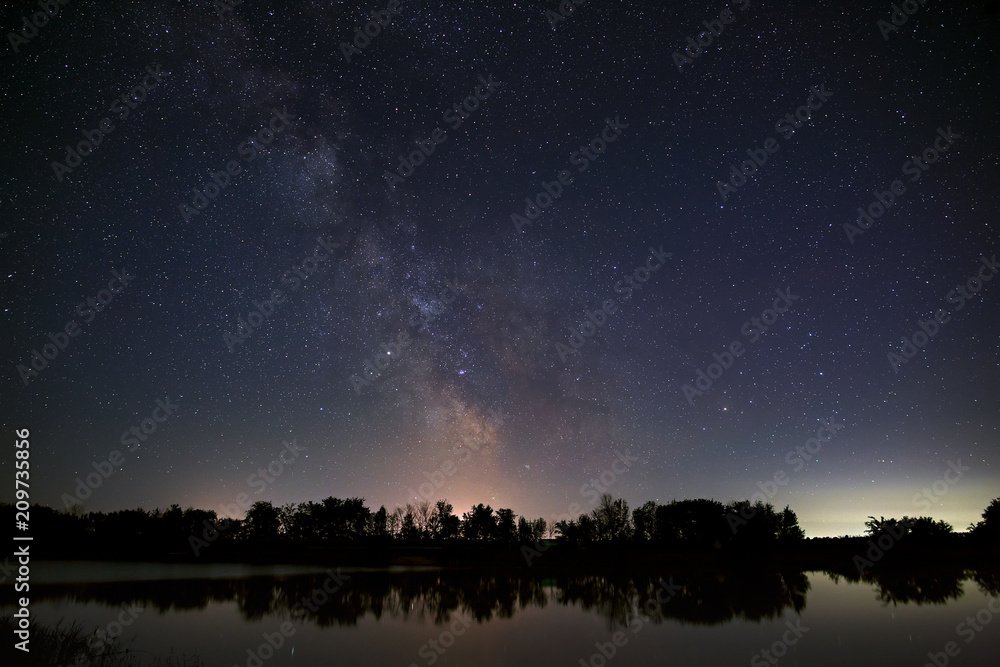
(465, 308)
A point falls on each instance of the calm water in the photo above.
(390, 618)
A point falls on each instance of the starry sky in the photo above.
(418, 324)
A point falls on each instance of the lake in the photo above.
(226, 614)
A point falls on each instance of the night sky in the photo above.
(465, 294)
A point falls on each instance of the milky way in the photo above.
(492, 249)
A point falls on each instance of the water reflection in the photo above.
(929, 587)
(707, 598)
(703, 598)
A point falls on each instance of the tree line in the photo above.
(694, 524)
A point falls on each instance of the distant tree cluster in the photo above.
(330, 520)
(691, 523)
(335, 519)
(698, 524)
(922, 527)
(989, 527)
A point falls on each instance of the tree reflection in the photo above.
(931, 586)
(701, 598)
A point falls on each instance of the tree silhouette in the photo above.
(378, 526)
(444, 524)
(644, 522)
(395, 522)
(524, 530)
(989, 527)
(697, 523)
(409, 531)
(790, 530)
(926, 528)
(479, 523)
(611, 519)
(506, 530)
(538, 529)
(262, 521)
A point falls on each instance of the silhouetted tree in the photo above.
(378, 526)
(409, 531)
(538, 528)
(611, 519)
(644, 522)
(343, 519)
(989, 527)
(195, 522)
(587, 528)
(506, 530)
(172, 522)
(580, 531)
(882, 526)
(479, 523)
(305, 522)
(926, 528)
(524, 530)
(423, 513)
(287, 526)
(568, 531)
(790, 530)
(395, 522)
(444, 524)
(262, 521)
(698, 523)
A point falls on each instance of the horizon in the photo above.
(803, 520)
